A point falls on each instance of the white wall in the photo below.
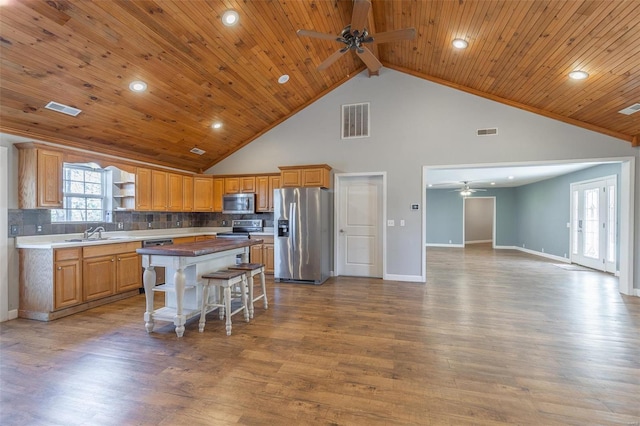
(11, 193)
(478, 219)
(416, 123)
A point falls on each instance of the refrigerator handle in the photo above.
(292, 224)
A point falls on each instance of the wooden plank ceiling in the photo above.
(85, 54)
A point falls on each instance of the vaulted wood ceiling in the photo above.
(85, 53)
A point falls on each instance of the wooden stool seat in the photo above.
(252, 269)
(226, 280)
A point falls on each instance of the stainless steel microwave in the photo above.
(239, 203)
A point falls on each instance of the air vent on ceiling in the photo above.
(65, 109)
(487, 132)
(355, 121)
(630, 110)
(197, 151)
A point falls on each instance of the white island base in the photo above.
(183, 290)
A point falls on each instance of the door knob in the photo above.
(342, 231)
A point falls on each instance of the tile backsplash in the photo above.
(38, 222)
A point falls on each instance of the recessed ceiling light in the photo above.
(459, 43)
(430, 185)
(137, 86)
(216, 125)
(230, 18)
(578, 75)
(283, 79)
(511, 178)
(493, 183)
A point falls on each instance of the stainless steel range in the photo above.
(242, 227)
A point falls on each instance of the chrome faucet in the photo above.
(91, 232)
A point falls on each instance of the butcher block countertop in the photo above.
(200, 248)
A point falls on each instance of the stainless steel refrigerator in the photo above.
(302, 232)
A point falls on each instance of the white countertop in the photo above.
(60, 240)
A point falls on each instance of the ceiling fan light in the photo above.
(230, 18)
(459, 43)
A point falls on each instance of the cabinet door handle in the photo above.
(59, 268)
(119, 259)
(113, 259)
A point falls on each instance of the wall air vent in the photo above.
(355, 121)
(198, 151)
(630, 110)
(65, 109)
(487, 132)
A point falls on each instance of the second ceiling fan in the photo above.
(355, 35)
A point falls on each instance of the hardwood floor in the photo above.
(493, 338)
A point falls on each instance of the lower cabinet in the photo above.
(110, 269)
(263, 253)
(67, 278)
(54, 283)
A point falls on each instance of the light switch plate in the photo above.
(391, 222)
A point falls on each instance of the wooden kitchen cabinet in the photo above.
(202, 193)
(187, 193)
(159, 190)
(67, 281)
(175, 186)
(232, 185)
(39, 178)
(184, 240)
(143, 189)
(128, 272)
(204, 238)
(218, 192)
(265, 184)
(110, 269)
(239, 184)
(318, 175)
(263, 253)
(100, 277)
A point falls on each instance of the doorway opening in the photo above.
(479, 220)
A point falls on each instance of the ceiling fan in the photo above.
(355, 35)
(466, 189)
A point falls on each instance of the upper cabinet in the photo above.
(318, 175)
(39, 178)
(239, 184)
(203, 193)
(218, 192)
(265, 185)
(175, 185)
(143, 189)
(187, 193)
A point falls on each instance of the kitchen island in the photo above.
(185, 264)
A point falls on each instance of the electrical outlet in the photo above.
(449, 241)
(14, 230)
(120, 225)
(543, 249)
(401, 222)
(178, 224)
(149, 225)
(38, 228)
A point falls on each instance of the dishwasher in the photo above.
(160, 279)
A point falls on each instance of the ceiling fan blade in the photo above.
(331, 59)
(315, 34)
(369, 59)
(406, 34)
(359, 15)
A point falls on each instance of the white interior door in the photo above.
(359, 226)
(593, 224)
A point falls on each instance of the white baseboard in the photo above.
(407, 278)
(445, 245)
(636, 291)
(541, 254)
(505, 247)
(478, 241)
(12, 314)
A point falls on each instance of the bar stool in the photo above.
(225, 280)
(252, 269)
